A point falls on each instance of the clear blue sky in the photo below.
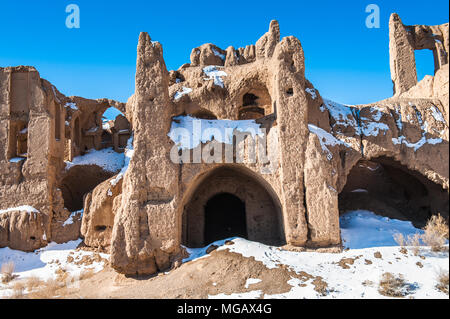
(346, 61)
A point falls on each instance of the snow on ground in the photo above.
(44, 262)
(251, 281)
(364, 229)
(106, 158)
(366, 236)
(354, 273)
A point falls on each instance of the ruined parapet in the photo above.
(404, 40)
(265, 46)
(207, 54)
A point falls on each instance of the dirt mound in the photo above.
(222, 272)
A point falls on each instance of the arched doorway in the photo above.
(388, 188)
(231, 201)
(224, 218)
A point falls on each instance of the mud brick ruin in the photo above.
(323, 158)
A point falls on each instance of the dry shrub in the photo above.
(33, 283)
(87, 274)
(443, 281)
(414, 242)
(48, 290)
(410, 241)
(438, 224)
(7, 272)
(18, 290)
(436, 233)
(400, 239)
(392, 286)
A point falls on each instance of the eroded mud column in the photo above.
(145, 232)
(289, 76)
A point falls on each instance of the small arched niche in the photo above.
(231, 201)
(255, 103)
(388, 188)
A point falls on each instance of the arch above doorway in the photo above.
(263, 218)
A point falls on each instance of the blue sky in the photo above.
(346, 61)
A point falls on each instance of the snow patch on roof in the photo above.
(217, 53)
(312, 92)
(107, 159)
(129, 152)
(325, 139)
(24, 208)
(437, 114)
(184, 91)
(341, 113)
(213, 73)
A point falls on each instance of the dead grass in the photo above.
(400, 239)
(18, 290)
(392, 286)
(436, 233)
(48, 290)
(33, 283)
(414, 242)
(443, 281)
(7, 272)
(410, 241)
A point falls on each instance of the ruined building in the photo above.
(322, 158)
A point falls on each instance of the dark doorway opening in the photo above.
(224, 218)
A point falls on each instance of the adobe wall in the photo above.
(35, 139)
(404, 40)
